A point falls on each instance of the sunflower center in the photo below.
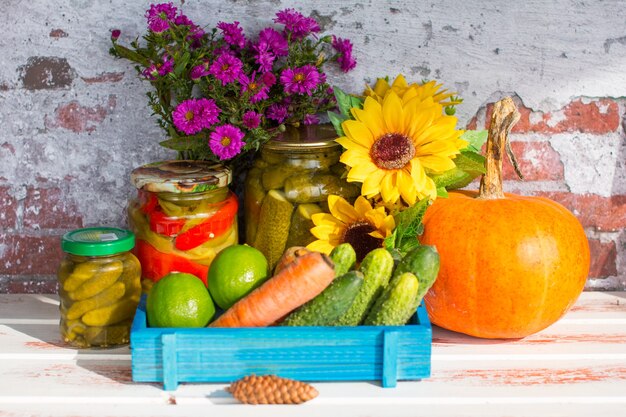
(357, 235)
(392, 151)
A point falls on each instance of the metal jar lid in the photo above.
(304, 138)
(97, 241)
(181, 176)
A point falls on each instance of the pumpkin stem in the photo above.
(504, 116)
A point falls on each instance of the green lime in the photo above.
(235, 272)
(179, 300)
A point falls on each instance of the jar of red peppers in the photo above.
(184, 214)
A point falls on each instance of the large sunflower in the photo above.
(361, 225)
(392, 146)
(409, 91)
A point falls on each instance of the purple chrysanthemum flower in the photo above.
(344, 49)
(167, 66)
(251, 119)
(268, 78)
(275, 41)
(159, 69)
(226, 68)
(233, 34)
(159, 16)
(199, 71)
(209, 112)
(263, 56)
(226, 141)
(187, 117)
(296, 23)
(311, 119)
(115, 34)
(277, 112)
(254, 87)
(300, 80)
(195, 31)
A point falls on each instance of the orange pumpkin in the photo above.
(510, 265)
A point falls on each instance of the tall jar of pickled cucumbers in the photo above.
(183, 215)
(99, 287)
(290, 181)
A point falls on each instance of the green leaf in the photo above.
(389, 242)
(336, 119)
(470, 162)
(182, 64)
(188, 143)
(442, 192)
(409, 225)
(345, 102)
(476, 139)
(123, 52)
(469, 165)
(356, 102)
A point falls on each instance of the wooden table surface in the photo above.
(576, 367)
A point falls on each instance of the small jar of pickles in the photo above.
(184, 214)
(290, 181)
(99, 287)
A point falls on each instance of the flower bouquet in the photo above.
(218, 93)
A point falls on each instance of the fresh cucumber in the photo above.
(423, 262)
(344, 257)
(330, 304)
(376, 267)
(395, 306)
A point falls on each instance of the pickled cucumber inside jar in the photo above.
(97, 277)
(300, 168)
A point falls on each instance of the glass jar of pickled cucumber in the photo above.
(184, 214)
(290, 181)
(99, 287)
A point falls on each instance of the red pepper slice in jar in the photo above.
(168, 226)
(155, 264)
(214, 226)
(149, 202)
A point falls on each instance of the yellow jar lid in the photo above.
(181, 176)
(304, 138)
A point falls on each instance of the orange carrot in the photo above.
(297, 283)
(290, 255)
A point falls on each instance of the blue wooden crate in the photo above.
(362, 353)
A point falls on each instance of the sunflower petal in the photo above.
(407, 187)
(437, 163)
(370, 119)
(371, 185)
(393, 114)
(362, 205)
(322, 246)
(361, 171)
(348, 143)
(358, 132)
(342, 210)
(388, 188)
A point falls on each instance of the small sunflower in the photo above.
(392, 146)
(409, 91)
(361, 225)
